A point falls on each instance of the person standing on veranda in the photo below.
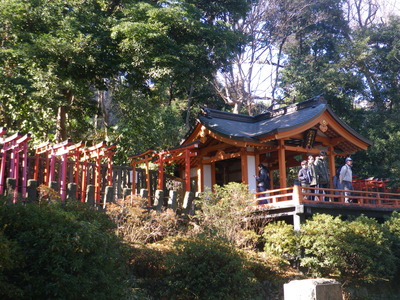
(322, 172)
(304, 177)
(346, 178)
(263, 181)
(313, 174)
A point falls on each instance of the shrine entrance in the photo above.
(228, 170)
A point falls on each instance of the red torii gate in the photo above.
(183, 153)
(147, 157)
(64, 150)
(97, 152)
(17, 143)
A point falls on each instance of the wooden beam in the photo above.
(331, 165)
(282, 164)
(148, 180)
(213, 176)
(160, 171)
(187, 170)
(244, 166)
(221, 156)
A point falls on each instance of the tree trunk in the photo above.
(61, 133)
(189, 104)
(62, 116)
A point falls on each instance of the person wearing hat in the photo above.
(346, 178)
(322, 171)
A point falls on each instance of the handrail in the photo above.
(303, 195)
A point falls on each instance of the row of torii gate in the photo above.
(51, 159)
(14, 164)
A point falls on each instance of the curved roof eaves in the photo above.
(348, 128)
(253, 128)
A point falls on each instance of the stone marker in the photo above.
(54, 185)
(71, 190)
(31, 190)
(172, 201)
(11, 183)
(313, 289)
(159, 200)
(125, 193)
(144, 193)
(108, 195)
(90, 194)
(187, 203)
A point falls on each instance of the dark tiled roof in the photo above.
(244, 127)
(253, 128)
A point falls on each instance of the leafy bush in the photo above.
(137, 224)
(281, 239)
(204, 268)
(392, 230)
(354, 250)
(66, 251)
(9, 257)
(223, 213)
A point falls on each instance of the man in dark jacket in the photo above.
(322, 171)
(263, 179)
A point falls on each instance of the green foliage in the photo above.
(382, 159)
(223, 213)
(392, 229)
(204, 268)
(53, 53)
(280, 239)
(144, 123)
(65, 251)
(10, 257)
(353, 250)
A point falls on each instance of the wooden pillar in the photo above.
(257, 159)
(76, 174)
(331, 165)
(282, 164)
(109, 169)
(133, 186)
(46, 169)
(213, 176)
(2, 170)
(187, 169)
(84, 180)
(160, 182)
(97, 178)
(243, 160)
(24, 174)
(200, 178)
(16, 171)
(12, 160)
(148, 180)
(52, 167)
(63, 176)
(36, 168)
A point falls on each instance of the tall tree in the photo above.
(58, 51)
(318, 60)
(173, 47)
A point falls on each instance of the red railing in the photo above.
(299, 195)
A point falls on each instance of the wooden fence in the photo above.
(300, 195)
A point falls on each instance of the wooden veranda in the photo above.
(295, 204)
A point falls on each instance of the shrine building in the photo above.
(225, 147)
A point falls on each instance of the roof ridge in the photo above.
(213, 113)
